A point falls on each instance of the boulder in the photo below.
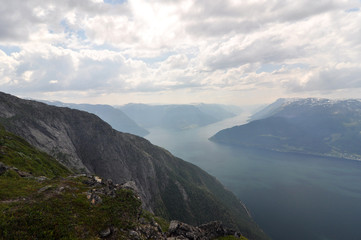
(3, 168)
(105, 233)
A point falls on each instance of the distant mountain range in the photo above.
(137, 118)
(115, 117)
(178, 117)
(313, 126)
(167, 185)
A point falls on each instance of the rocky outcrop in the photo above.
(167, 186)
(23, 174)
(211, 230)
(150, 229)
(3, 168)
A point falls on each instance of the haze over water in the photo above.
(291, 196)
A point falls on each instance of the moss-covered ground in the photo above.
(55, 207)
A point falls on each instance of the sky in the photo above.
(240, 52)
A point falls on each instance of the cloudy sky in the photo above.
(168, 51)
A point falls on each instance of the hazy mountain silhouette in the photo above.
(315, 126)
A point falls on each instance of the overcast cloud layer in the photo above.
(225, 51)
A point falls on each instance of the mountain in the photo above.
(313, 126)
(115, 117)
(40, 199)
(176, 117)
(218, 111)
(168, 186)
(269, 110)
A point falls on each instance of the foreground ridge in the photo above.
(82, 200)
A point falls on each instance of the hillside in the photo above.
(41, 199)
(115, 117)
(312, 126)
(167, 186)
(176, 117)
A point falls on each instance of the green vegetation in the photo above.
(163, 223)
(55, 207)
(149, 217)
(16, 152)
(13, 186)
(67, 215)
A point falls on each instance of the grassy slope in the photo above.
(16, 152)
(55, 208)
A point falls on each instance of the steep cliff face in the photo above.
(168, 186)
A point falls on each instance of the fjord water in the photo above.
(291, 196)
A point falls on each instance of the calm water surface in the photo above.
(291, 196)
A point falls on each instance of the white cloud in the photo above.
(165, 46)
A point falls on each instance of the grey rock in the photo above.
(93, 181)
(142, 220)
(43, 189)
(211, 230)
(105, 233)
(3, 168)
(179, 229)
(95, 199)
(131, 185)
(134, 235)
(148, 231)
(24, 174)
(109, 182)
(41, 178)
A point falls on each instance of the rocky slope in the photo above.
(168, 186)
(313, 126)
(41, 199)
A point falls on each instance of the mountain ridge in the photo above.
(176, 116)
(312, 126)
(115, 117)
